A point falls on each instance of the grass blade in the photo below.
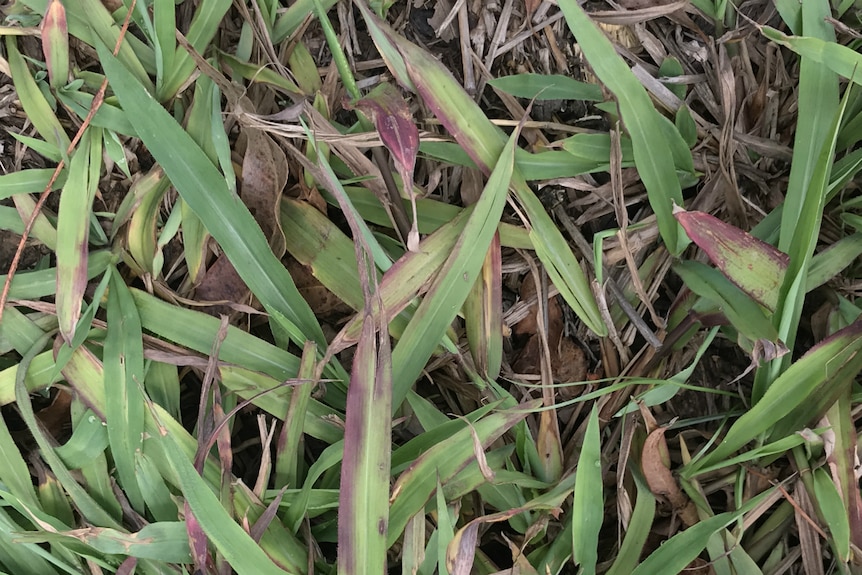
(73, 229)
(641, 119)
(588, 509)
(205, 190)
(124, 376)
(454, 281)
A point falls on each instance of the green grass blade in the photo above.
(124, 376)
(642, 121)
(205, 190)
(588, 508)
(799, 393)
(35, 105)
(454, 281)
(547, 87)
(675, 554)
(364, 495)
(639, 527)
(29, 181)
(73, 230)
(205, 23)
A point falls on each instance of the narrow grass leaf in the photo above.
(14, 474)
(294, 17)
(675, 554)
(742, 311)
(205, 22)
(73, 230)
(831, 261)
(196, 330)
(363, 499)
(547, 87)
(454, 281)
(223, 214)
(642, 122)
(588, 507)
(834, 513)
(164, 27)
(164, 541)
(797, 395)
(483, 314)
(257, 73)
(18, 332)
(29, 181)
(89, 439)
(288, 456)
(638, 529)
(141, 230)
(124, 377)
(35, 105)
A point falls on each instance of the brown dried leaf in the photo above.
(655, 461)
(221, 282)
(264, 175)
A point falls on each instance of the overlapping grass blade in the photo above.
(454, 281)
(801, 393)
(204, 189)
(416, 485)
(124, 376)
(483, 141)
(814, 145)
(84, 501)
(85, 373)
(241, 552)
(642, 122)
(205, 23)
(38, 110)
(73, 229)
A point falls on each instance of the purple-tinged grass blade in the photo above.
(55, 44)
(420, 72)
(394, 122)
(73, 230)
(363, 515)
(755, 266)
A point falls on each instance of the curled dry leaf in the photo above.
(394, 122)
(656, 468)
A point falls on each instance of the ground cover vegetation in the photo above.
(426, 286)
